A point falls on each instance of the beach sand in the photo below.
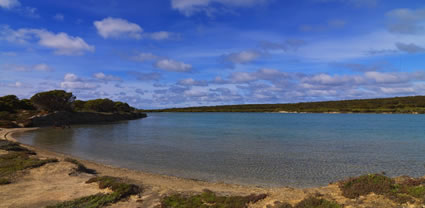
(51, 183)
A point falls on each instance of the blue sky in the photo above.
(176, 53)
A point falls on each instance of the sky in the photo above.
(181, 53)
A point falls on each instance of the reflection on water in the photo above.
(253, 148)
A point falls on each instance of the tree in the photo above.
(55, 100)
(9, 103)
(78, 105)
(100, 105)
(122, 107)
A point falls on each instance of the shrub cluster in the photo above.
(410, 190)
(57, 100)
(209, 199)
(309, 202)
(11, 103)
(102, 105)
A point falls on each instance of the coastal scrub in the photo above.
(408, 190)
(310, 202)
(121, 190)
(13, 162)
(209, 199)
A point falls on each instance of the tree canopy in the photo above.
(55, 100)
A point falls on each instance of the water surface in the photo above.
(267, 149)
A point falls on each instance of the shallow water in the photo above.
(266, 149)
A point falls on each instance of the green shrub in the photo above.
(55, 100)
(367, 184)
(409, 190)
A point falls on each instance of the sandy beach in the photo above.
(51, 183)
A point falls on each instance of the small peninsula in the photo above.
(61, 109)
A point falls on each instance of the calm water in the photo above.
(250, 148)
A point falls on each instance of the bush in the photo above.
(100, 105)
(78, 105)
(367, 184)
(122, 107)
(55, 100)
(407, 191)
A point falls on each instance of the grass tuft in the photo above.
(15, 147)
(80, 167)
(209, 199)
(120, 190)
(16, 161)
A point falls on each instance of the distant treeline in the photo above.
(413, 104)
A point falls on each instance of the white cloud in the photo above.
(381, 77)
(72, 81)
(25, 68)
(407, 21)
(9, 4)
(42, 67)
(242, 57)
(142, 57)
(62, 43)
(118, 28)
(162, 35)
(172, 65)
(192, 82)
(189, 7)
(377, 43)
(104, 77)
(59, 17)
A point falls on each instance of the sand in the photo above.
(52, 183)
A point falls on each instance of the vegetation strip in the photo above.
(310, 202)
(408, 190)
(209, 199)
(121, 190)
(414, 104)
(17, 159)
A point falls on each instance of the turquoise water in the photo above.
(266, 149)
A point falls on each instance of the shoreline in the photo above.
(157, 186)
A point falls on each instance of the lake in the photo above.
(267, 149)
